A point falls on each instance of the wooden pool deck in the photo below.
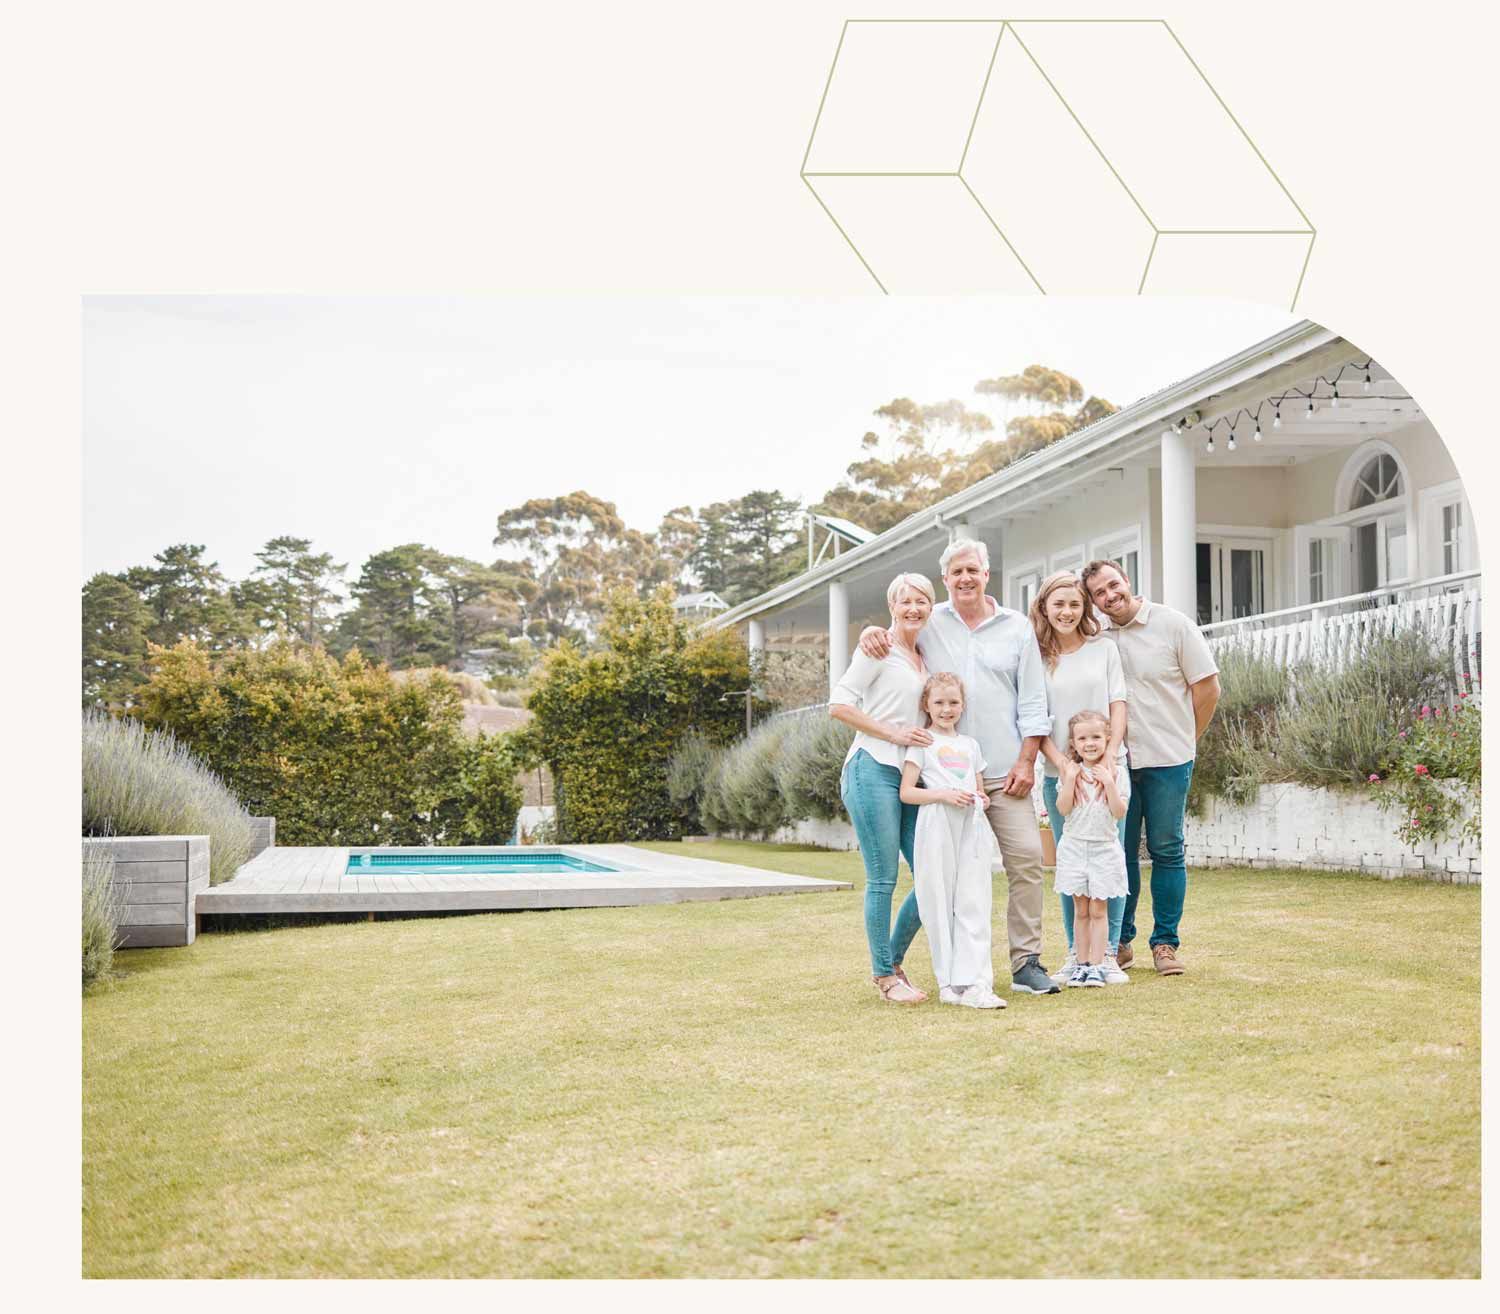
(314, 880)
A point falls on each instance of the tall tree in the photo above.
(578, 550)
(765, 526)
(116, 622)
(392, 618)
(712, 557)
(476, 600)
(188, 598)
(1056, 403)
(294, 590)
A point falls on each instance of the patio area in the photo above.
(315, 880)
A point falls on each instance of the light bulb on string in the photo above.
(1334, 403)
(1231, 440)
(1309, 408)
(1257, 431)
(1276, 423)
(1367, 380)
(1210, 442)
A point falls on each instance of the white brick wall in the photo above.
(1287, 826)
(1299, 825)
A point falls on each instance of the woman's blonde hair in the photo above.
(1046, 636)
(913, 581)
(933, 681)
(1081, 718)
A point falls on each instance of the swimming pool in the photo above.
(468, 862)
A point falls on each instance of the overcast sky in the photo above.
(362, 423)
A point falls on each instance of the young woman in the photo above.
(880, 698)
(1083, 671)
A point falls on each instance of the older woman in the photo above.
(1083, 671)
(879, 698)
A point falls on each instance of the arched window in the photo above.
(1379, 481)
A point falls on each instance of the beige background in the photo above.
(155, 147)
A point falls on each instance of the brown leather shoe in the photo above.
(1167, 962)
(1126, 956)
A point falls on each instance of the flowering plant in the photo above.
(1432, 781)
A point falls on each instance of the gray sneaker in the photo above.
(1031, 978)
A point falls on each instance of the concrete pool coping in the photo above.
(314, 880)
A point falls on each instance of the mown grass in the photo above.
(716, 1090)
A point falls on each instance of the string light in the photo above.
(1231, 440)
(1257, 431)
(1210, 442)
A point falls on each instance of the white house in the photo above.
(1291, 492)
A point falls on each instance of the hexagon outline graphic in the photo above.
(1198, 237)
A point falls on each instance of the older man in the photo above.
(1173, 682)
(993, 650)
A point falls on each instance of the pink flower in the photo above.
(1463, 695)
(1401, 734)
(1373, 778)
(1421, 770)
(1426, 711)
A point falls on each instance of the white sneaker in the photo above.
(978, 996)
(948, 995)
(1066, 970)
(1113, 975)
(1079, 977)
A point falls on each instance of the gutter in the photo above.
(1154, 409)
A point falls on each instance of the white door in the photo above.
(1232, 580)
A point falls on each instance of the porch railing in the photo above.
(1331, 633)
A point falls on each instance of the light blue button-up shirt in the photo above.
(1005, 685)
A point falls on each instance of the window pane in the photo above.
(1205, 584)
(1315, 570)
(1395, 552)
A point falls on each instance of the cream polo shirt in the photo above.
(1162, 652)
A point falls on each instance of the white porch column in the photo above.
(756, 638)
(838, 633)
(1179, 524)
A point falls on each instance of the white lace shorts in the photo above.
(1095, 868)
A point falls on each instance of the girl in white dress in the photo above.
(1090, 861)
(953, 848)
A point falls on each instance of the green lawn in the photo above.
(716, 1090)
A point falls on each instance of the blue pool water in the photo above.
(455, 862)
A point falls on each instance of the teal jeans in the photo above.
(886, 829)
(1114, 908)
(1158, 803)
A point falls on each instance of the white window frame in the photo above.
(1014, 579)
(1383, 514)
(1431, 502)
(1337, 566)
(1119, 544)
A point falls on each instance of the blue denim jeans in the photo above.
(1114, 908)
(885, 828)
(1158, 801)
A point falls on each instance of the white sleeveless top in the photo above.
(1090, 818)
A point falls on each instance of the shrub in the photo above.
(484, 797)
(338, 752)
(810, 764)
(138, 781)
(608, 722)
(103, 908)
(1234, 755)
(1343, 725)
(687, 777)
(1433, 779)
(748, 792)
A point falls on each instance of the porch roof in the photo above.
(1277, 363)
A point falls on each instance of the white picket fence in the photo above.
(1333, 633)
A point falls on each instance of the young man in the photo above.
(1173, 684)
(993, 650)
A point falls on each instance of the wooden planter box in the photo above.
(160, 877)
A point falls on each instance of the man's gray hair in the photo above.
(964, 545)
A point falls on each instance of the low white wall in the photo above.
(1332, 830)
(1296, 826)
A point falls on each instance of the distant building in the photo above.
(699, 606)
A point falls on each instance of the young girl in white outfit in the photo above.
(952, 848)
(1090, 861)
